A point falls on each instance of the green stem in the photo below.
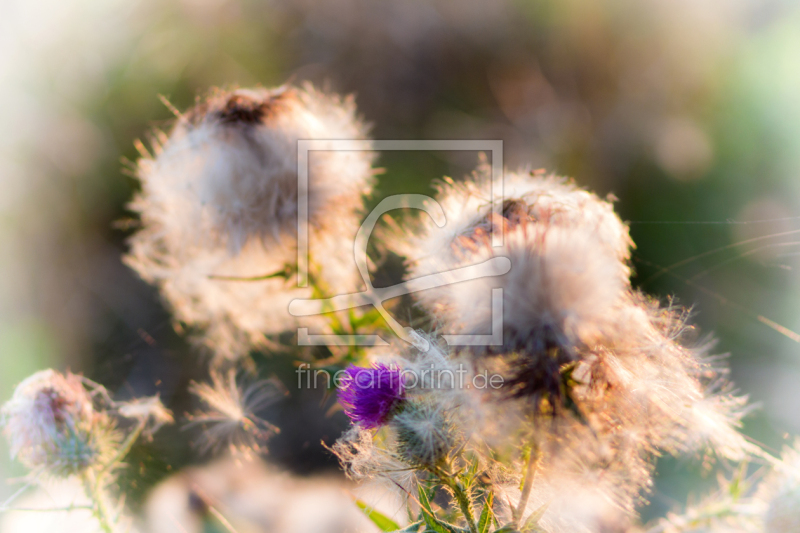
(94, 483)
(94, 491)
(527, 486)
(466, 508)
(462, 498)
(124, 448)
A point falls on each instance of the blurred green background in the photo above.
(688, 112)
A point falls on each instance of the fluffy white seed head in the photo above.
(607, 376)
(230, 165)
(230, 415)
(568, 253)
(631, 397)
(219, 200)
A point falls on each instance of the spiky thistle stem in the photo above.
(94, 490)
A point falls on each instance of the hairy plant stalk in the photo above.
(94, 484)
(124, 448)
(527, 486)
(463, 499)
(466, 506)
(99, 507)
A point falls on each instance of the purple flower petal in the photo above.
(369, 395)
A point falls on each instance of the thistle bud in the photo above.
(51, 424)
(425, 434)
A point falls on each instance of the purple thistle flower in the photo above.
(369, 395)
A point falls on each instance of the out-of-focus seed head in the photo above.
(236, 154)
(219, 203)
(52, 426)
(783, 515)
(614, 372)
(568, 253)
(230, 415)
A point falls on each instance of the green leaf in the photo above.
(412, 528)
(437, 527)
(532, 523)
(485, 520)
(424, 501)
(508, 528)
(473, 470)
(383, 522)
(434, 524)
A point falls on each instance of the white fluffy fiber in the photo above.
(219, 198)
(640, 389)
(778, 496)
(568, 259)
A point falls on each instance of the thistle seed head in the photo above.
(219, 205)
(52, 425)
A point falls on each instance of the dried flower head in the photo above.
(371, 395)
(232, 159)
(229, 418)
(569, 274)
(219, 202)
(52, 425)
(615, 375)
(568, 252)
